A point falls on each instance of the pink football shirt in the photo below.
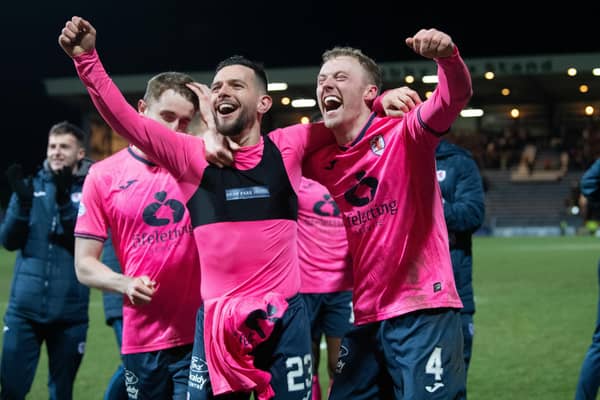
(143, 207)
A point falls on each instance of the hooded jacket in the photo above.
(464, 210)
(44, 286)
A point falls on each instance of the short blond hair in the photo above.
(370, 66)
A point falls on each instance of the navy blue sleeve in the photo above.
(466, 212)
(590, 182)
(15, 227)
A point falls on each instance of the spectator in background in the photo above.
(47, 303)
(589, 377)
(113, 314)
(464, 209)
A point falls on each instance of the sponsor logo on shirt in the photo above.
(245, 193)
(253, 322)
(39, 194)
(362, 194)
(127, 184)
(161, 236)
(160, 213)
(326, 207)
(151, 211)
(377, 145)
(437, 287)
(329, 166)
(353, 197)
(321, 207)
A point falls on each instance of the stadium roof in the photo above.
(533, 82)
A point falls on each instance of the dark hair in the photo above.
(258, 68)
(370, 66)
(67, 128)
(176, 81)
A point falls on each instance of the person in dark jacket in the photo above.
(464, 210)
(113, 314)
(589, 377)
(47, 303)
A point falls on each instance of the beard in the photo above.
(235, 127)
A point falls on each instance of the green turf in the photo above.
(536, 309)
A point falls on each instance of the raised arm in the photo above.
(453, 90)
(164, 146)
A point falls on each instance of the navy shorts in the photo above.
(414, 356)
(160, 374)
(330, 313)
(286, 354)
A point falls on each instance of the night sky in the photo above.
(152, 36)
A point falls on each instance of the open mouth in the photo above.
(226, 108)
(331, 103)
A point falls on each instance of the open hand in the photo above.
(218, 149)
(399, 101)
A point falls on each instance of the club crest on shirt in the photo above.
(76, 197)
(441, 175)
(377, 145)
(81, 210)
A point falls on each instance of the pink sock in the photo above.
(316, 388)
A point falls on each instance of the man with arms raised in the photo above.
(407, 342)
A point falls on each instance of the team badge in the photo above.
(441, 175)
(76, 197)
(377, 145)
(81, 209)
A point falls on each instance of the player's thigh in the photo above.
(287, 353)
(424, 355)
(179, 370)
(359, 374)
(147, 375)
(337, 314)
(314, 304)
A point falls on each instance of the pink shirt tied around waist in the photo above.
(233, 327)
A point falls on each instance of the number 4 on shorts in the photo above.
(434, 366)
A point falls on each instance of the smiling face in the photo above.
(238, 101)
(343, 92)
(171, 109)
(64, 149)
